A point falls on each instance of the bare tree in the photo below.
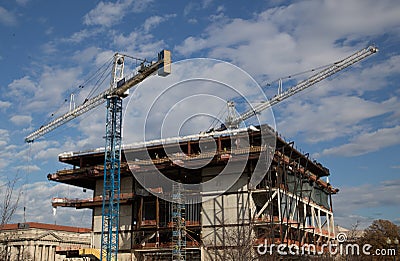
(8, 205)
(240, 242)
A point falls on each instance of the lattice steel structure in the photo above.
(179, 223)
(111, 191)
(291, 205)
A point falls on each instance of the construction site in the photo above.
(280, 196)
(292, 204)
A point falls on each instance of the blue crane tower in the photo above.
(112, 152)
(118, 90)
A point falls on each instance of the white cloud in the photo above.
(36, 198)
(21, 120)
(330, 117)
(154, 21)
(206, 3)
(49, 30)
(189, 8)
(4, 137)
(193, 6)
(368, 76)
(273, 43)
(367, 142)
(293, 38)
(22, 2)
(39, 150)
(4, 104)
(105, 14)
(27, 168)
(92, 128)
(7, 17)
(197, 87)
(50, 91)
(108, 13)
(360, 202)
(82, 35)
(24, 86)
(192, 21)
(49, 48)
(145, 45)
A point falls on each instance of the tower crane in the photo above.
(114, 95)
(233, 121)
(119, 87)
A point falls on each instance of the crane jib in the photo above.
(94, 102)
(317, 77)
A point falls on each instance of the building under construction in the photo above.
(276, 194)
(289, 204)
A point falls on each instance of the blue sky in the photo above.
(350, 123)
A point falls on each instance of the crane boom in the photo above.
(112, 151)
(94, 102)
(336, 67)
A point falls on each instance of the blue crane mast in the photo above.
(118, 90)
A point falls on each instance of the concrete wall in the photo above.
(225, 222)
(125, 218)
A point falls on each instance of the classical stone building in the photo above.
(42, 242)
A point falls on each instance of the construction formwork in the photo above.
(291, 204)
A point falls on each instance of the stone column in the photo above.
(51, 258)
(43, 255)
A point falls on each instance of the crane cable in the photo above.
(98, 74)
(291, 76)
(264, 85)
(219, 115)
(100, 79)
(26, 181)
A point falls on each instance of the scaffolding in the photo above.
(291, 205)
(179, 223)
